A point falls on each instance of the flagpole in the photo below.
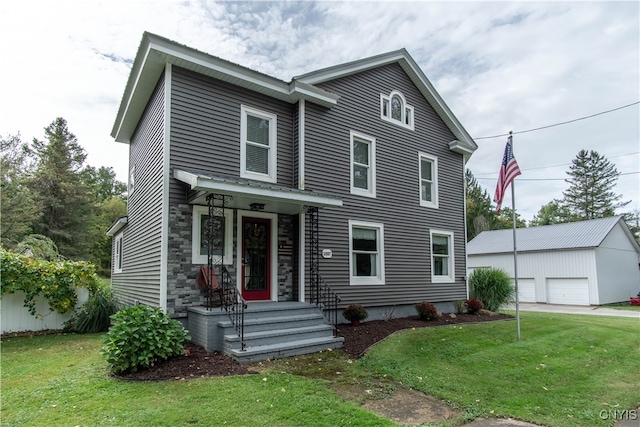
(515, 250)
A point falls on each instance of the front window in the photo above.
(428, 169)
(442, 259)
(366, 247)
(258, 150)
(363, 165)
(222, 235)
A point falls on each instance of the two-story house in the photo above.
(346, 181)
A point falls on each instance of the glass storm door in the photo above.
(256, 259)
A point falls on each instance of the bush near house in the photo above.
(355, 313)
(473, 306)
(56, 281)
(492, 286)
(140, 336)
(95, 314)
(427, 311)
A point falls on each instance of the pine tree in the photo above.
(590, 194)
(65, 198)
(480, 214)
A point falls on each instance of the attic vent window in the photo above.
(394, 109)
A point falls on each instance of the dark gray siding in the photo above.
(205, 127)
(397, 203)
(140, 277)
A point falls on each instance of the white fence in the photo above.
(14, 317)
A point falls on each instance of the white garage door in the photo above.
(573, 291)
(526, 290)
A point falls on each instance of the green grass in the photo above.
(62, 380)
(622, 307)
(563, 372)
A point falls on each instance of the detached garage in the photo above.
(580, 263)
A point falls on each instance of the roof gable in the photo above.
(572, 235)
(464, 143)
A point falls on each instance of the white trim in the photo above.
(272, 176)
(450, 278)
(371, 141)
(434, 180)
(301, 130)
(166, 176)
(302, 270)
(118, 254)
(380, 278)
(407, 113)
(196, 224)
(273, 267)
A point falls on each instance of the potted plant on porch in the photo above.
(355, 313)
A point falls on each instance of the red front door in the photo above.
(256, 259)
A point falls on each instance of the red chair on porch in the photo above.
(207, 280)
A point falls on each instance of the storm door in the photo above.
(256, 259)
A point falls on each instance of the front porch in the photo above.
(270, 330)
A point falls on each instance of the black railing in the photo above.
(327, 300)
(233, 304)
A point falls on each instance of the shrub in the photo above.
(427, 311)
(95, 314)
(56, 281)
(492, 286)
(473, 305)
(355, 312)
(460, 306)
(140, 336)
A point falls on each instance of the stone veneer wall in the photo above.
(182, 290)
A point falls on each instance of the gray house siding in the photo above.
(205, 128)
(140, 276)
(397, 203)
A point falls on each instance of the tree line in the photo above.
(590, 195)
(52, 202)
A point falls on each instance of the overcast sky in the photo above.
(499, 66)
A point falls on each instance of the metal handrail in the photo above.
(234, 304)
(327, 301)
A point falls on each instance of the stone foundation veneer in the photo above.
(182, 290)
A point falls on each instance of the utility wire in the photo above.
(561, 123)
(551, 179)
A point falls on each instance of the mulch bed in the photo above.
(197, 363)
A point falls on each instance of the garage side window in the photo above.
(117, 255)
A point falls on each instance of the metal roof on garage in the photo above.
(572, 235)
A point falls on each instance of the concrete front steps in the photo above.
(274, 330)
(271, 330)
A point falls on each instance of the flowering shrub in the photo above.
(140, 336)
(56, 281)
(473, 305)
(355, 312)
(427, 311)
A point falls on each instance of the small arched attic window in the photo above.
(394, 109)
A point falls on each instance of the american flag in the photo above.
(508, 171)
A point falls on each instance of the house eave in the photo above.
(243, 194)
(155, 52)
(117, 225)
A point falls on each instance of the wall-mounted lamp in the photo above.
(257, 206)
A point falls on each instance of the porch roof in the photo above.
(276, 198)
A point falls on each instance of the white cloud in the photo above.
(500, 66)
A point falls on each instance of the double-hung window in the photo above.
(363, 164)
(117, 258)
(258, 146)
(428, 170)
(366, 253)
(221, 235)
(442, 257)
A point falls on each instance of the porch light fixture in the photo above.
(257, 206)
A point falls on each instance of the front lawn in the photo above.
(565, 371)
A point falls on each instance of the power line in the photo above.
(561, 123)
(550, 179)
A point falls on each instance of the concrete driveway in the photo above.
(575, 309)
